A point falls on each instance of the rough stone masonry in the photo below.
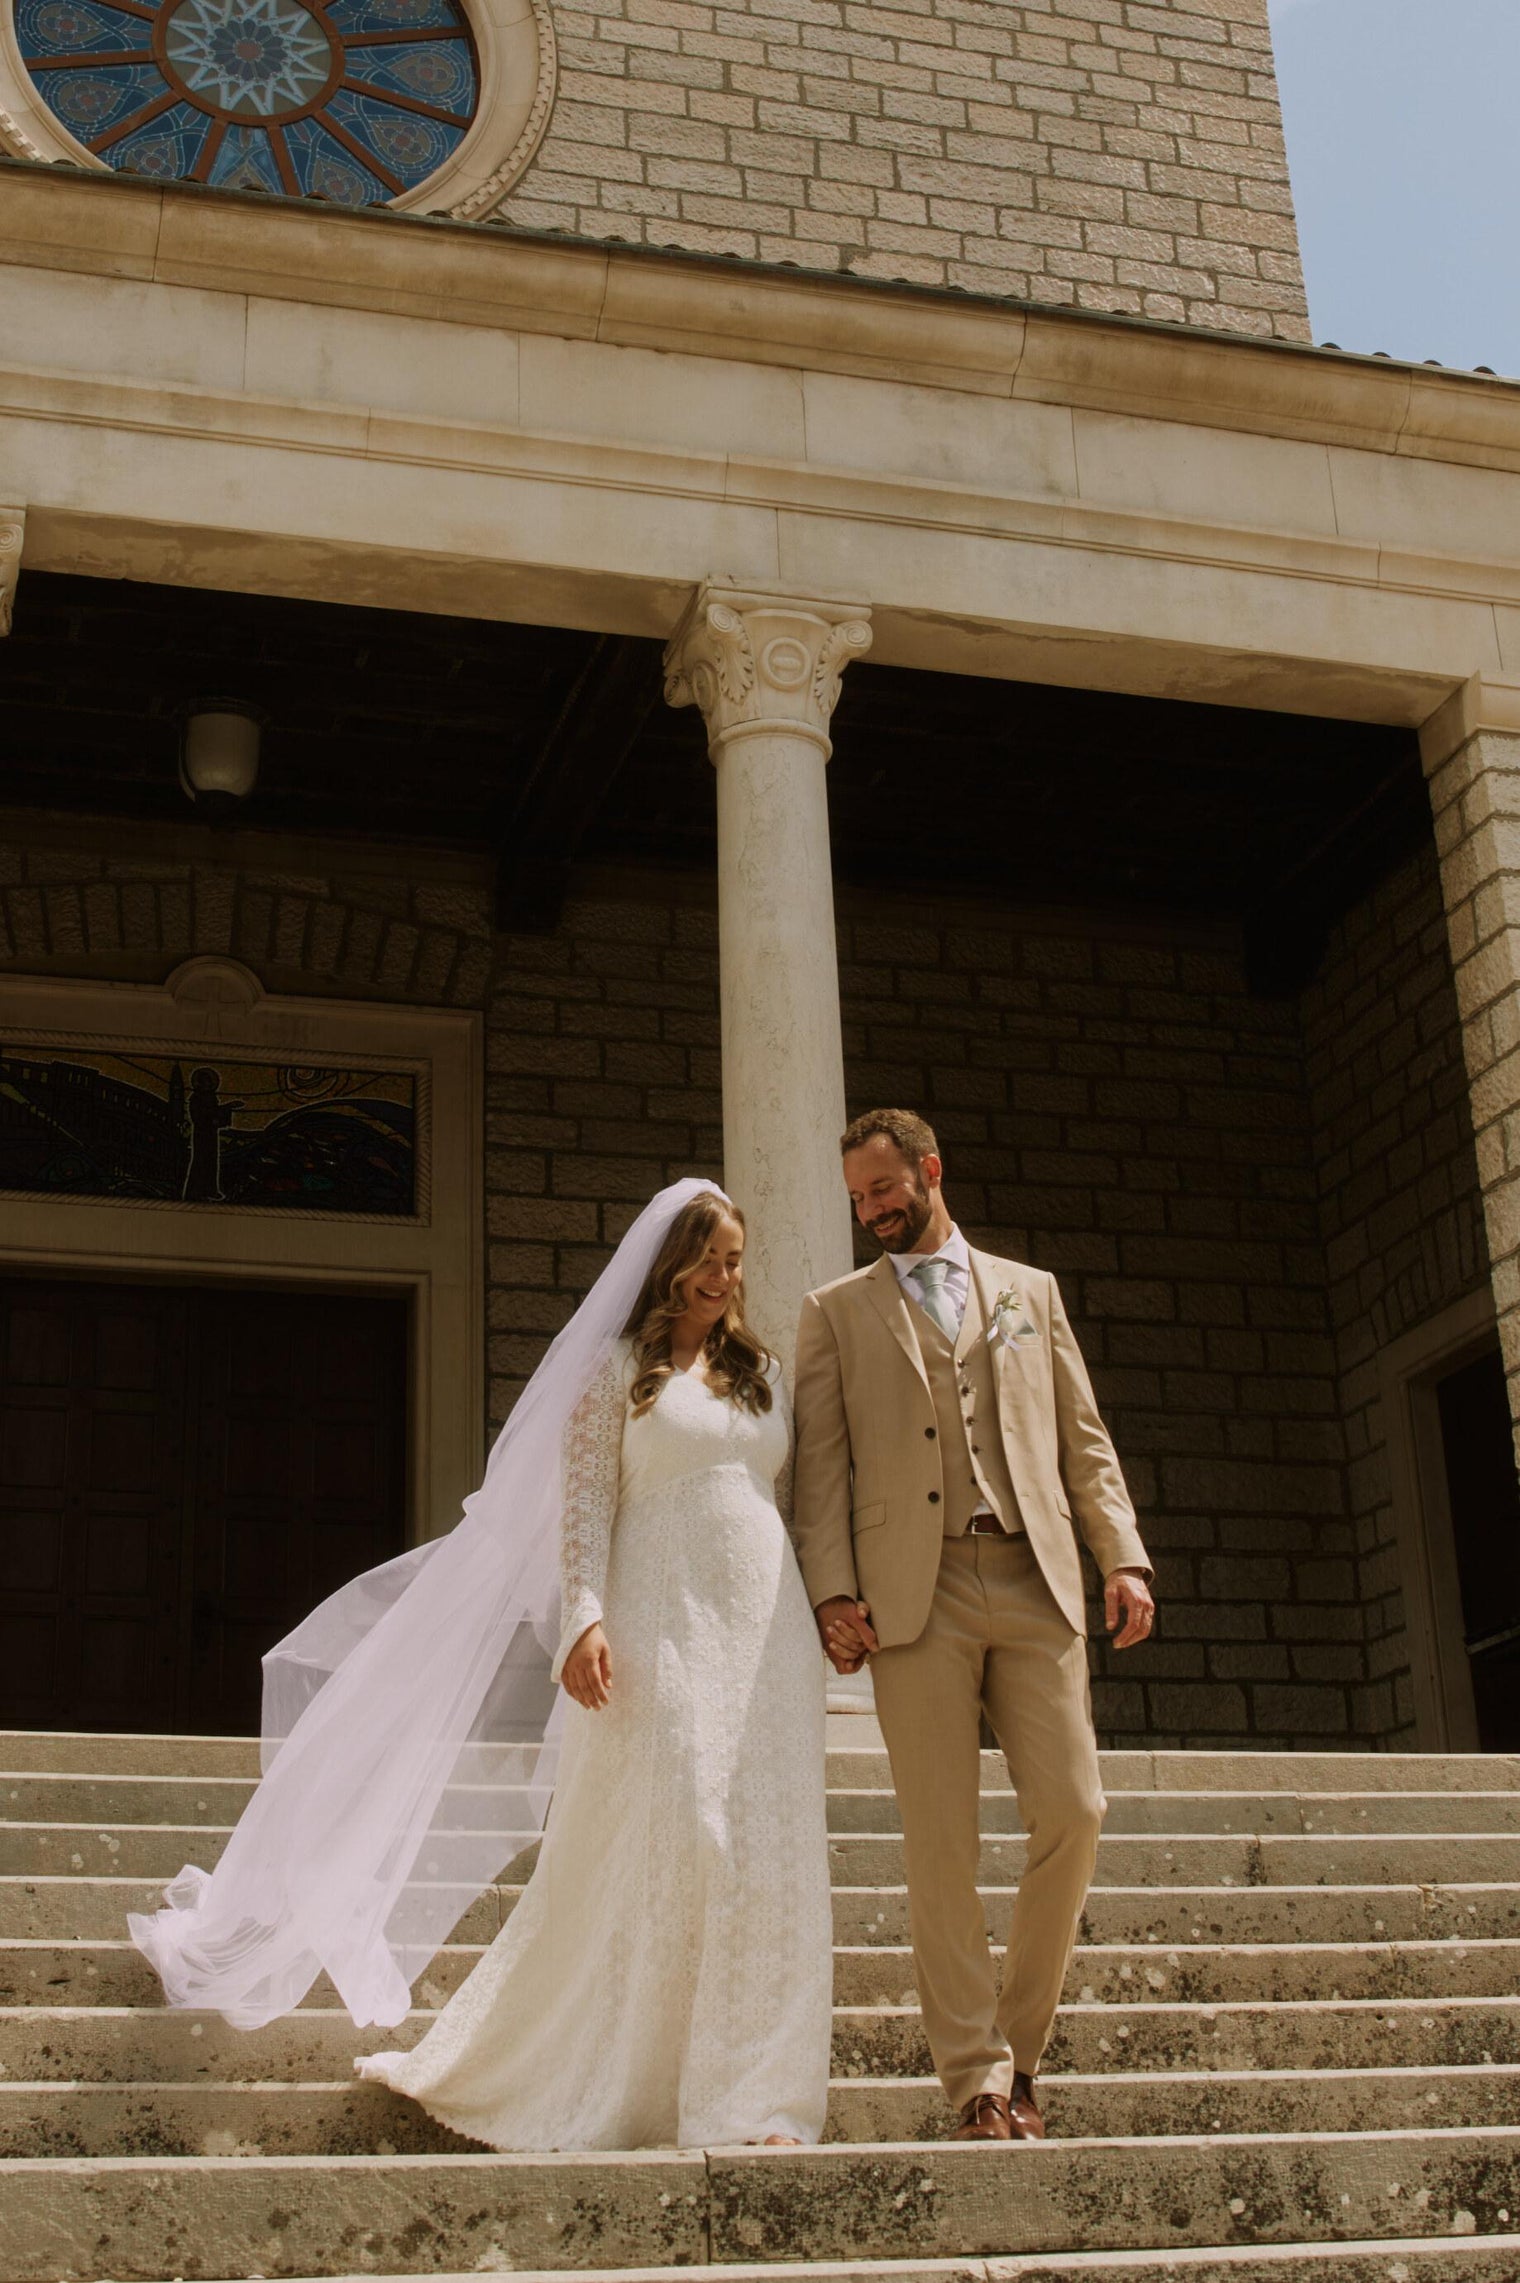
(1095, 154)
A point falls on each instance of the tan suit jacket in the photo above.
(868, 1448)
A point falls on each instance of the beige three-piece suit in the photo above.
(904, 1434)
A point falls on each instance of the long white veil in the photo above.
(411, 1731)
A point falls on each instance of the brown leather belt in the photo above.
(985, 1526)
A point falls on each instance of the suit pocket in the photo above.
(868, 1517)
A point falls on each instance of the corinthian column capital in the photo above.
(758, 664)
(12, 526)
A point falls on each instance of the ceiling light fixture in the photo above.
(219, 758)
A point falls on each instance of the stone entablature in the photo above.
(1095, 154)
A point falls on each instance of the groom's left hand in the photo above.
(1129, 1611)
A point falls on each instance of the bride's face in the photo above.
(704, 1291)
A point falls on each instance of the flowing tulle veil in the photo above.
(410, 1728)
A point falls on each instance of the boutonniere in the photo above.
(1010, 1320)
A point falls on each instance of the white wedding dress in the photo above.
(666, 1977)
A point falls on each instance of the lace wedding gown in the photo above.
(666, 1977)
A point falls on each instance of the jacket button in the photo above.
(928, 1434)
(934, 1498)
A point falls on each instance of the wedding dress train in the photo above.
(666, 1977)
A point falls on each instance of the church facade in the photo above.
(586, 589)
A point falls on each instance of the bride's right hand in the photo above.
(587, 1673)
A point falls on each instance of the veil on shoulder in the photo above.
(410, 1728)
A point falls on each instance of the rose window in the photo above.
(356, 101)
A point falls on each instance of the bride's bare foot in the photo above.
(780, 2140)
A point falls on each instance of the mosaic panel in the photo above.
(207, 1131)
(356, 103)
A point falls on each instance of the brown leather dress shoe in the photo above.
(985, 2118)
(1024, 2119)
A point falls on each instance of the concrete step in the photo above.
(126, 2044)
(116, 1973)
(1493, 2259)
(51, 2119)
(876, 1860)
(237, 1757)
(139, 2220)
(119, 1801)
(79, 1907)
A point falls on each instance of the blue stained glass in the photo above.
(233, 77)
(88, 102)
(74, 27)
(350, 16)
(432, 71)
(325, 169)
(166, 147)
(411, 147)
(245, 162)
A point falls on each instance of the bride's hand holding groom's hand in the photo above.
(844, 1627)
(587, 1674)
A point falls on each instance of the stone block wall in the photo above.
(1400, 1207)
(1093, 154)
(1242, 1198)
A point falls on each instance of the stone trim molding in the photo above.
(176, 233)
(515, 45)
(12, 533)
(758, 664)
(1480, 703)
(436, 1258)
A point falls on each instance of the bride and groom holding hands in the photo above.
(666, 1975)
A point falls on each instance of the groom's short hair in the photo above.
(905, 1129)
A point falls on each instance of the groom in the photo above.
(949, 1452)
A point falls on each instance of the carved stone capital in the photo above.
(757, 664)
(12, 528)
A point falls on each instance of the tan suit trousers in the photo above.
(995, 1639)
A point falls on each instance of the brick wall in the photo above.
(1399, 1204)
(134, 917)
(1240, 1206)
(1100, 154)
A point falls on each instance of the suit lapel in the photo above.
(887, 1297)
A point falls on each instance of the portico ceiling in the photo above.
(414, 727)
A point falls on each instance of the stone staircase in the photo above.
(1289, 2055)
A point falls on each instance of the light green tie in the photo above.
(931, 1277)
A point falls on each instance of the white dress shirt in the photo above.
(957, 1284)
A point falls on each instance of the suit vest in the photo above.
(973, 1463)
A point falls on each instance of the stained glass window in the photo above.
(350, 100)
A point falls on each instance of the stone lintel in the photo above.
(1478, 704)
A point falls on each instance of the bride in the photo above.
(666, 1975)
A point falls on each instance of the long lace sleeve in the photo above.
(787, 1476)
(593, 1450)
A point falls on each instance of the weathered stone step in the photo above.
(90, 1909)
(117, 2045)
(1250, 1813)
(24, 1751)
(116, 1973)
(867, 1860)
(120, 1802)
(1492, 2259)
(51, 2119)
(1182, 1859)
(139, 2220)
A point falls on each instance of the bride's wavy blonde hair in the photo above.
(736, 1362)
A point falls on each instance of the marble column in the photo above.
(12, 530)
(765, 671)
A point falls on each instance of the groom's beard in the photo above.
(900, 1233)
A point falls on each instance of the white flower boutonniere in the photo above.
(1010, 1321)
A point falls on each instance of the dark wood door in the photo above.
(1479, 1447)
(184, 1473)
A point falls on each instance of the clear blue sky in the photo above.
(1403, 120)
